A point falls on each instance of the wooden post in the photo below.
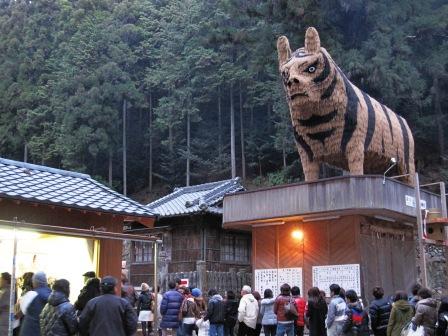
(443, 206)
(421, 245)
(156, 291)
(201, 268)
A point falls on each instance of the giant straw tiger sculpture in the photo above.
(334, 121)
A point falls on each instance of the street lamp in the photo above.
(393, 162)
(297, 234)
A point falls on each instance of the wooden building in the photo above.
(63, 223)
(358, 231)
(189, 221)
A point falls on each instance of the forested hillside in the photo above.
(197, 84)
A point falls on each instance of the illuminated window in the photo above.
(235, 248)
(142, 252)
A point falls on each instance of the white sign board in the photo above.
(346, 276)
(410, 202)
(273, 278)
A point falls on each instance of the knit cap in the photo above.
(196, 292)
(40, 279)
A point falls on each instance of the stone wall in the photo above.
(436, 266)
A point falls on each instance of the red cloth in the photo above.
(301, 305)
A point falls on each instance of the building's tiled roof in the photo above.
(40, 184)
(195, 199)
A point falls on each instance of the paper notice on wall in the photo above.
(346, 276)
(273, 278)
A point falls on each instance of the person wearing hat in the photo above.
(144, 307)
(31, 325)
(108, 314)
(90, 290)
(5, 287)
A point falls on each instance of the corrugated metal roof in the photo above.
(205, 197)
(41, 184)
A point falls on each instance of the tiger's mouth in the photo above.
(298, 94)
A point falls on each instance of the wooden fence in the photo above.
(205, 280)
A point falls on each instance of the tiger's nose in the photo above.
(292, 81)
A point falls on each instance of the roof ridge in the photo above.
(165, 198)
(32, 166)
(216, 191)
(203, 186)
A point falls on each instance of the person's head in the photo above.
(124, 278)
(63, 286)
(351, 296)
(285, 289)
(335, 289)
(313, 293)
(268, 294)
(27, 281)
(212, 292)
(323, 295)
(400, 295)
(415, 288)
(145, 287)
(187, 291)
(39, 280)
(246, 290)
(424, 293)
(89, 275)
(295, 291)
(5, 280)
(178, 282)
(196, 292)
(378, 292)
(256, 295)
(108, 284)
(230, 295)
(342, 293)
(172, 285)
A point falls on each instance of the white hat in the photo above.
(247, 289)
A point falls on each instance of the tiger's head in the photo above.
(308, 73)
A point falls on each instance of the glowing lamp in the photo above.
(297, 234)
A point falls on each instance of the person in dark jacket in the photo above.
(316, 312)
(31, 320)
(258, 326)
(442, 325)
(127, 290)
(5, 288)
(90, 290)
(144, 306)
(108, 314)
(58, 318)
(426, 312)
(231, 306)
(216, 313)
(379, 312)
(169, 309)
(357, 322)
(413, 299)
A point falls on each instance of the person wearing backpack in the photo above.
(286, 311)
(300, 304)
(379, 312)
(357, 322)
(188, 314)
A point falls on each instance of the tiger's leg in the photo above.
(355, 158)
(311, 170)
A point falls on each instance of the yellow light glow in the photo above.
(297, 234)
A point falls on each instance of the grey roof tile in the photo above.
(195, 199)
(19, 180)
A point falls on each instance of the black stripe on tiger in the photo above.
(316, 120)
(321, 136)
(325, 72)
(388, 121)
(301, 141)
(329, 90)
(404, 132)
(370, 121)
(351, 113)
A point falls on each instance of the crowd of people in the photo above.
(45, 310)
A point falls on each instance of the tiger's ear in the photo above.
(312, 41)
(283, 49)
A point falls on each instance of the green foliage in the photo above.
(66, 67)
